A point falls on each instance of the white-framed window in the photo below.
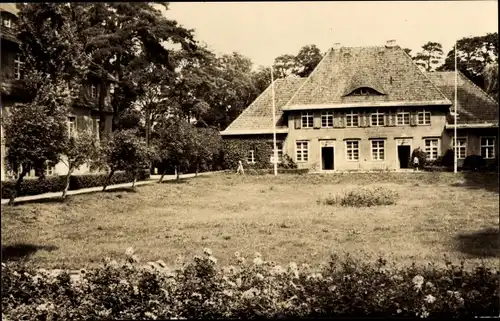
(423, 117)
(307, 119)
(279, 148)
(377, 118)
(461, 149)
(18, 66)
(71, 126)
(352, 119)
(488, 147)
(432, 148)
(7, 22)
(378, 152)
(302, 151)
(50, 170)
(352, 150)
(403, 117)
(93, 91)
(30, 173)
(251, 157)
(326, 119)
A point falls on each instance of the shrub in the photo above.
(53, 184)
(448, 159)
(249, 289)
(421, 155)
(474, 163)
(48, 184)
(364, 197)
(287, 163)
(96, 180)
(297, 171)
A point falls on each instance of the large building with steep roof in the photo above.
(368, 108)
(83, 115)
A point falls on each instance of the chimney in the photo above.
(391, 44)
(336, 46)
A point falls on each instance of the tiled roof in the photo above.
(258, 117)
(474, 105)
(9, 7)
(388, 70)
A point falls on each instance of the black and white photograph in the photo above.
(237, 160)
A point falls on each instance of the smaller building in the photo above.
(368, 108)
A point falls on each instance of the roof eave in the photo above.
(369, 104)
(253, 131)
(472, 125)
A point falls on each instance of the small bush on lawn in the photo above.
(48, 184)
(364, 197)
(249, 289)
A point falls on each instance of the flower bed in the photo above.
(249, 289)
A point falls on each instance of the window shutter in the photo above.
(387, 119)
(317, 120)
(342, 120)
(81, 124)
(361, 119)
(393, 118)
(368, 119)
(298, 122)
(413, 118)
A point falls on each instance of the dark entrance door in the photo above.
(404, 156)
(327, 158)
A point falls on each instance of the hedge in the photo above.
(89, 180)
(298, 171)
(52, 184)
(249, 289)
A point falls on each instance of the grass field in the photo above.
(437, 214)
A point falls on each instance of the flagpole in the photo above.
(275, 151)
(455, 156)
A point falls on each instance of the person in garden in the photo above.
(240, 169)
(416, 161)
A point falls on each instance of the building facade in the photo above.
(368, 108)
(84, 114)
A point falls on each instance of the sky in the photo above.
(264, 30)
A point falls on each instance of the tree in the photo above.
(430, 56)
(490, 75)
(408, 51)
(208, 145)
(35, 134)
(176, 143)
(80, 149)
(234, 90)
(473, 55)
(126, 151)
(118, 35)
(285, 65)
(307, 59)
(300, 65)
(262, 79)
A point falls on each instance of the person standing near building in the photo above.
(240, 169)
(416, 162)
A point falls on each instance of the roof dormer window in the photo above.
(364, 91)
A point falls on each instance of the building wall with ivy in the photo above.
(236, 148)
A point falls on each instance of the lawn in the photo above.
(437, 214)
